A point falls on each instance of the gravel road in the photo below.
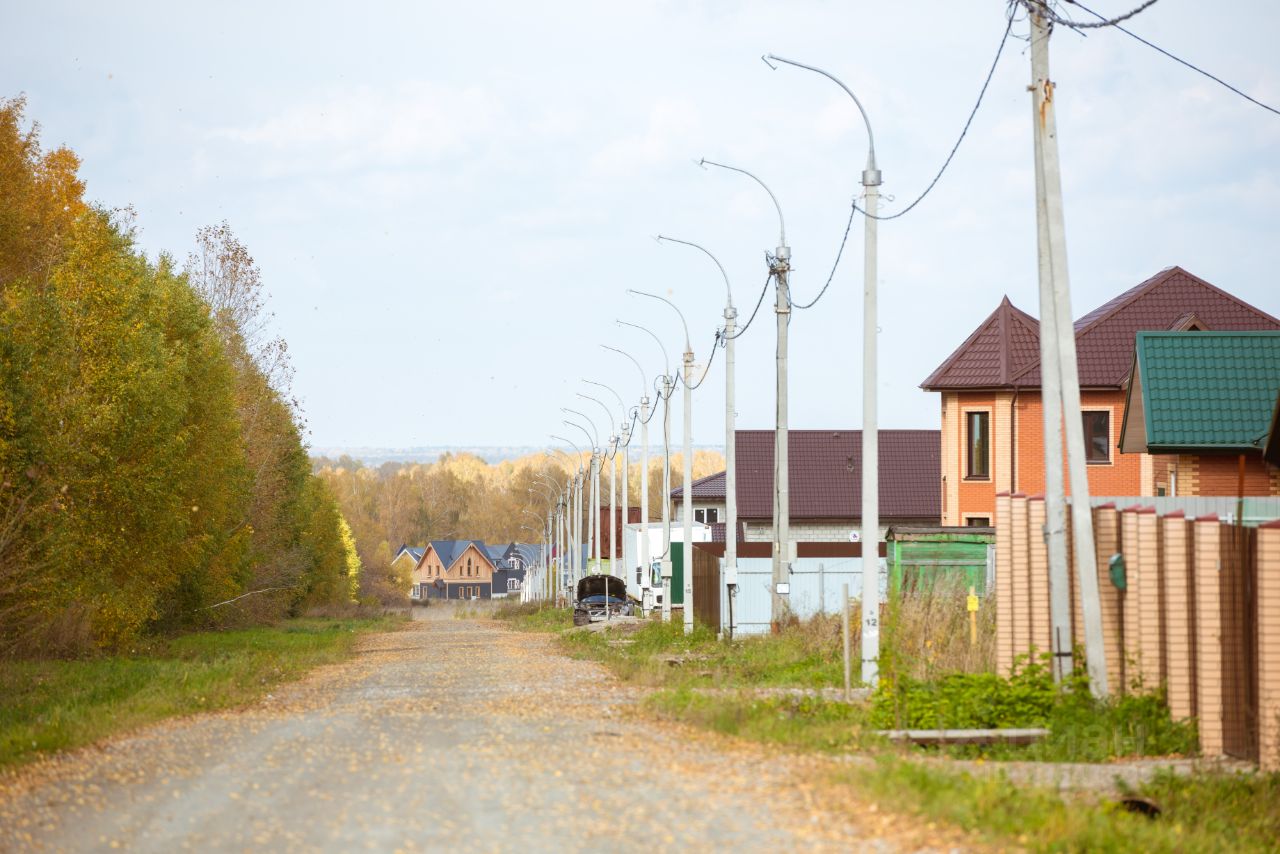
(448, 735)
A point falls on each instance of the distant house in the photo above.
(825, 484)
(454, 569)
(407, 558)
(1210, 399)
(992, 421)
(512, 565)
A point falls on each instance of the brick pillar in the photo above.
(1209, 693)
(1004, 584)
(1179, 617)
(1038, 571)
(1106, 532)
(1020, 581)
(1269, 646)
(1151, 614)
(1131, 623)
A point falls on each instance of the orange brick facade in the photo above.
(1017, 457)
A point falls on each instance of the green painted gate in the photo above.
(920, 558)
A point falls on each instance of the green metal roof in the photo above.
(1203, 391)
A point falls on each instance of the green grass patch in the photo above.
(534, 616)
(56, 705)
(1208, 812)
(661, 655)
(807, 723)
(1081, 727)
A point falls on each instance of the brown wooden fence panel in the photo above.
(1239, 641)
(706, 587)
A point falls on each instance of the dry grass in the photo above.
(926, 633)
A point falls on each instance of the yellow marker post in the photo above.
(972, 604)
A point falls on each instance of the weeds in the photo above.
(55, 705)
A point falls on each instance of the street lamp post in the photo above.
(575, 512)
(665, 394)
(593, 497)
(686, 548)
(643, 417)
(871, 180)
(613, 478)
(780, 269)
(730, 431)
(624, 444)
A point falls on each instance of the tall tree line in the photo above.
(151, 456)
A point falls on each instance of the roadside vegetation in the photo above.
(153, 476)
(786, 690)
(54, 705)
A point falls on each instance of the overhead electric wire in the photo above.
(1080, 25)
(763, 290)
(1004, 39)
(1161, 50)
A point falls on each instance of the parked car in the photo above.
(600, 597)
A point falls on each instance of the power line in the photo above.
(839, 253)
(1161, 50)
(1004, 39)
(763, 290)
(1078, 25)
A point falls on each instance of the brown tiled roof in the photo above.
(711, 486)
(1104, 337)
(1003, 346)
(825, 474)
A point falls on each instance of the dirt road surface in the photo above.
(450, 735)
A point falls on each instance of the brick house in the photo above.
(825, 483)
(454, 569)
(1206, 400)
(992, 431)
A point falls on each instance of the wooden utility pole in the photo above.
(1058, 368)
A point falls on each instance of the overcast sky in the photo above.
(449, 200)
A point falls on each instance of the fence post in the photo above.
(1209, 683)
(1268, 623)
(844, 593)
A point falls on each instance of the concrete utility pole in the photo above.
(575, 527)
(870, 537)
(643, 417)
(686, 549)
(779, 268)
(593, 485)
(613, 477)
(666, 468)
(621, 442)
(667, 573)
(730, 574)
(1059, 356)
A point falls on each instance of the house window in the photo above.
(700, 515)
(978, 442)
(978, 521)
(1097, 436)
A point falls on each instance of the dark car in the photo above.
(600, 597)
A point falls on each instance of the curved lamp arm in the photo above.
(727, 288)
(644, 380)
(666, 362)
(584, 432)
(576, 449)
(594, 432)
(871, 151)
(782, 225)
(621, 405)
(598, 402)
(679, 313)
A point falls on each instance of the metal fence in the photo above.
(815, 588)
